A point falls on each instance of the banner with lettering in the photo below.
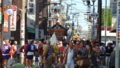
(109, 19)
(5, 29)
(13, 18)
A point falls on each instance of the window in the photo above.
(31, 10)
(31, 0)
(30, 4)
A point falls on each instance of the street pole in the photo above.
(105, 23)
(1, 25)
(93, 24)
(22, 28)
(36, 18)
(99, 20)
(117, 51)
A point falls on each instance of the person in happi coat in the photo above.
(23, 49)
(13, 52)
(5, 52)
(30, 51)
(48, 56)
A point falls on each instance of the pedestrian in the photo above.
(40, 51)
(60, 55)
(108, 52)
(55, 55)
(48, 56)
(102, 54)
(30, 51)
(112, 59)
(36, 43)
(77, 45)
(23, 49)
(13, 53)
(69, 56)
(83, 48)
(5, 52)
(92, 56)
(81, 54)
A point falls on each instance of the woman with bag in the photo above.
(82, 60)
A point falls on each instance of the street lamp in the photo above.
(88, 2)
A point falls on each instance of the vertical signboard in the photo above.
(31, 13)
(5, 29)
(109, 19)
(102, 19)
(117, 55)
(13, 18)
(31, 7)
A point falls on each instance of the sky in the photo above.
(82, 9)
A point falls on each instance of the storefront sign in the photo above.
(13, 18)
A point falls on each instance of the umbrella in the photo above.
(53, 39)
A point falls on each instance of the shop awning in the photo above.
(114, 28)
(30, 30)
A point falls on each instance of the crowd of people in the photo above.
(72, 54)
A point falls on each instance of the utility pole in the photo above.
(93, 31)
(1, 25)
(99, 20)
(37, 19)
(22, 28)
(105, 20)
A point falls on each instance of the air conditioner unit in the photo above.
(41, 34)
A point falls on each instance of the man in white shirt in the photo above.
(69, 56)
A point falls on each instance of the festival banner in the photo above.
(5, 29)
(109, 19)
(102, 19)
(13, 18)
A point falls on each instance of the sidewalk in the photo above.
(19, 66)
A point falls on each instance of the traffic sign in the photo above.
(95, 15)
